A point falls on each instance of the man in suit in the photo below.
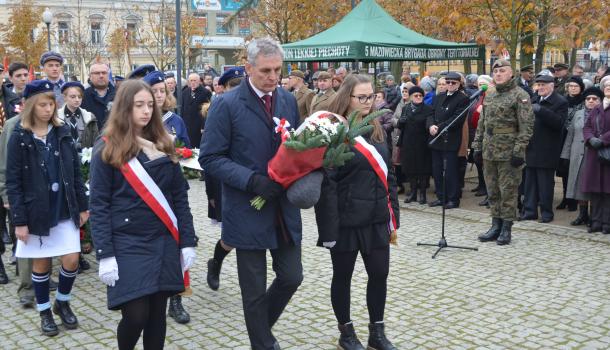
(296, 83)
(447, 107)
(322, 99)
(239, 142)
(543, 151)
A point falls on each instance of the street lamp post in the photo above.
(47, 18)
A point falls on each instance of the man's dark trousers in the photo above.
(451, 178)
(539, 190)
(263, 306)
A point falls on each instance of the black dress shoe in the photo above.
(481, 192)
(436, 203)
(3, 276)
(525, 218)
(562, 205)
(545, 220)
(26, 301)
(476, 189)
(47, 323)
(213, 277)
(62, 309)
(176, 310)
(606, 231)
(594, 229)
(83, 264)
(452, 205)
(484, 202)
(52, 285)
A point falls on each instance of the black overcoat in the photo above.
(191, 112)
(545, 146)
(446, 109)
(415, 157)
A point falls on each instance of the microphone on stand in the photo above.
(478, 93)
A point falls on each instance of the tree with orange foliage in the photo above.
(21, 35)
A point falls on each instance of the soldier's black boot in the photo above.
(493, 233)
(413, 195)
(62, 309)
(377, 339)
(176, 310)
(47, 323)
(348, 339)
(3, 276)
(583, 216)
(213, 274)
(504, 237)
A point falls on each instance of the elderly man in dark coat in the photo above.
(543, 151)
(239, 142)
(193, 96)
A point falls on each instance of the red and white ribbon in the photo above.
(381, 169)
(282, 126)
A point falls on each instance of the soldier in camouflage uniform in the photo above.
(504, 130)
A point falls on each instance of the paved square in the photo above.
(549, 289)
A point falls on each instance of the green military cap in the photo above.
(297, 73)
(500, 63)
(324, 76)
(560, 66)
(528, 68)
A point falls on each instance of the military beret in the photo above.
(416, 89)
(545, 76)
(141, 71)
(561, 66)
(170, 75)
(577, 80)
(70, 84)
(37, 87)
(453, 76)
(324, 75)
(594, 91)
(234, 72)
(51, 56)
(500, 63)
(528, 68)
(154, 77)
(118, 78)
(297, 73)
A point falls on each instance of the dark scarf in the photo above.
(574, 101)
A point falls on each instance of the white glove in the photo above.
(109, 271)
(188, 258)
(329, 245)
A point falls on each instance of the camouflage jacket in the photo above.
(506, 123)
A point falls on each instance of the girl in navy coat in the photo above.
(140, 261)
(353, 215)
(47, 200)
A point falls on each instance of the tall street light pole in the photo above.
(178, 56)
(47, 18)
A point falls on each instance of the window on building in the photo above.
(96, 33)
(221, 24)
(132, 32)
(244, 25)
(63, 32)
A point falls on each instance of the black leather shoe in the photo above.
(493, 233)
(583, 216)
(62, 309)
(47, 323)
(481, 192)
(411, 197)
(505, 234)
(526, 218)
(213, 274)
(26, 301)
(436, 203)
(83, 264)
(545, 220)
(422, 197)
(377, 338)
(606, 231)
(452, 205)
(484, 202)
(3, 276)
(52, 285)
(594, 229)
(562, 205)
(348, 339)
(176, 310)
(476, 189)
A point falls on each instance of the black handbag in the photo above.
(603, 153)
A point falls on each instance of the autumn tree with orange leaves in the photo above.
(21, 35)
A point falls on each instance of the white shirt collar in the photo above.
(259, 93)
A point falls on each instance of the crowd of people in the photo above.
(521, 130)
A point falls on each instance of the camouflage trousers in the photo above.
(502, 181)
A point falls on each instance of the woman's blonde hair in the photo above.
(341, 101)
(120, 134)
(28, 113)
(80, 91)
(170, 100)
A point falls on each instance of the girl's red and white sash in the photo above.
(151, 194)
(381, 169)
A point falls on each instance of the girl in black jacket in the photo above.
(353, 216)
(47, 199)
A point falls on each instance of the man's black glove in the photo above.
(596, 142)
(264, 187)
(478, 157)
(516, 161)
(536, 107)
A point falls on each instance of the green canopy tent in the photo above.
(369, 34)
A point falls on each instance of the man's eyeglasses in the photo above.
(452, 82)
(365, 99)
(592, 98)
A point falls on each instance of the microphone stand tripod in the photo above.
(442, 243)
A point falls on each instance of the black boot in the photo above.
(493, 233)
(3, 276)
(348, 339)
(176, 310)
(47, 323)
(377, 339)
(504, 237)
(563, 204)
(484, 202)
(583, 216)
(422, 196)
(413, 195)
(213, 274)
(62, 309)
(572, 204)
(83, 264)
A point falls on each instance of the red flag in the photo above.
(31, 74)
(5, 63)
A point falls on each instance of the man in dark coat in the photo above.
(543, 151)
(239, 142)
(99, 96)
(526, 73)
(193, 96)
(391, 92)
(447, 107)
(561, 77)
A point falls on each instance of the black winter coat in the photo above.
(392, 96)
(415, 157)
(446, 109)
(99, 106)
(545, 146)
(191, 112)
(27, 185)
(123, 226)
(353, 196)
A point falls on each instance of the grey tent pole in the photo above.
(178, 59)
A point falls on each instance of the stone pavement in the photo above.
(550, 289)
